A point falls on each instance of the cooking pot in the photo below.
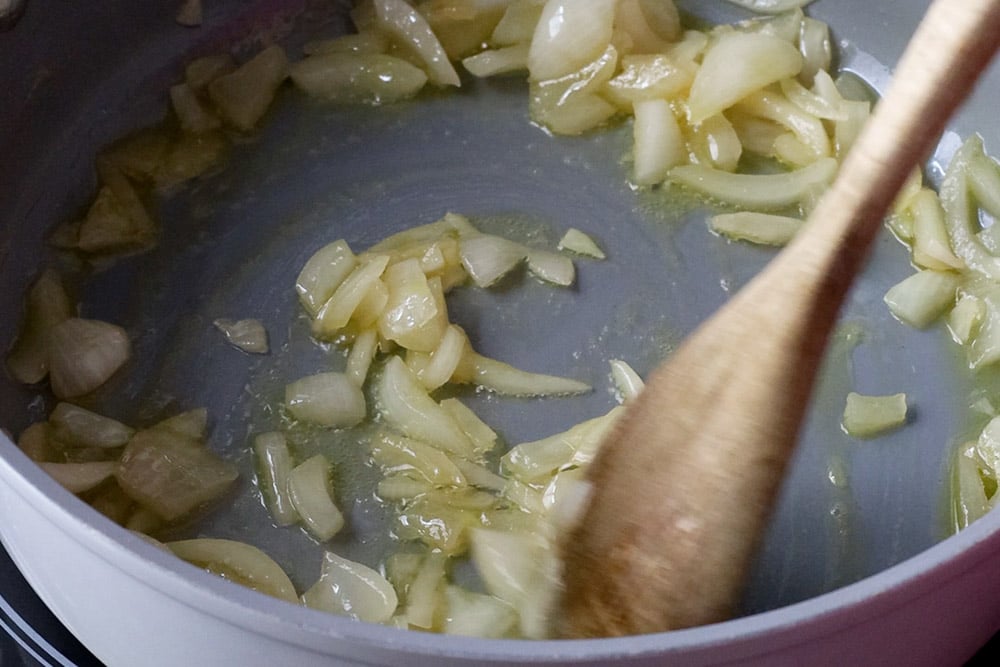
(856, 567)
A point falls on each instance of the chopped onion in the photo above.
(358, 77)
(415, 315)
(360, 358)
(987, 446)
(337, 311)
(47, 305)
(497, 61)
(476, 615)
(505, 379)
(35, 443)
(757, 191)
(762, 228)
(191, 424)
(194, 117)
(489, 258)
(569, 34)
(84, 354)
(658, 76)
(930, 242)
(80, 477)
(323, 273)
(478, 475)
(970, 502)
(658, 144)
(312, 497)
(965, 318)
(352, 589)
(576, 241)
(573, 104)
(79, 427)
(551, 267)
(407, 25)
(172, 474)
(248, 335)
(243, 96)
(401, 454)
(737, 64)
(527, 498)
(400, 486)
(202, 71)
(327, 399)
(437, 523)
(517, 25)
(922, 297)
(274, 463)
(424, 596)
(771, 6)
(406, 406)
(482, 436)
(868, 416)
(363, 41)
(442, 362)
(239, 562)
(627, 382)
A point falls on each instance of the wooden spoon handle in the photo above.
(684, 485)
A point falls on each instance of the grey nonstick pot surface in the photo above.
(77, 76)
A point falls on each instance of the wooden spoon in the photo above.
(682, 489)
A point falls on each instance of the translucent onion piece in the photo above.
(191, 156)
(401, 454)
(497, 61)
(650, 77)
(965, 318)
(770, 6)
(202, 71)
(815, 47)
(532, 461)
(480, 476)
(352, 589)
(327, 399)
(812, 103)
(489, 258)
(172, 474)
(437, 523)
(46, 306)
(274, 463)
(658, 144)
(551, 267)
(194, 117)
(84, 354)
(243, 96)
(627, 382)
(527, 498)
(365, 41)
(569, 34)
(192, 424)
(360, 358)
(761, 228)
(868, 416)
(476, 615)
(482, 436)
(987, 446)
(806, 128)
(518, 23)
(424, 595)
(411, 29)
(443, 361)
(984, 182)
(462, 26)
(931, 245)
(415, 315)
(80, 477)
(406, 406)
(35, 444)
(647, 26)
(452, 224)
(736, 65)
(572, 104)
(248, 335)
(337, 311)
(312, 497)
(970, 502)
(753, 191)
(401, 568)
(77, 426)
(113, 502)
(323, 274)
(505, 379)
(576, 241)
(375, 78)
(239, 562)
(117, 221)
(922, 297)
(400, 486)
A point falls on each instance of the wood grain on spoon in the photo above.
(683, 487)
